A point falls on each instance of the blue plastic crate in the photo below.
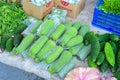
(106, 21)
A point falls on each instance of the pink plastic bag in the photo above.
(83, 74)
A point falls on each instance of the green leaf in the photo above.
(111, 6)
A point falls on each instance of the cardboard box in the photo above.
(13, 0)
(73, 10)
(35, 11)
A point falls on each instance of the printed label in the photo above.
(64, 3)
(48, 4)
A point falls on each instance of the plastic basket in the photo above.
(106, 21)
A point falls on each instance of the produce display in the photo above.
(59, 44)
(50, 49)
(38, 44)
(11, 25)
(42, 54)
(108, 54)
(71, 32)
(57, 15)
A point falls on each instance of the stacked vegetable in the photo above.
(105, 52)
(11, 26)
(58, 49)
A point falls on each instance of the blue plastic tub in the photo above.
(106, 21)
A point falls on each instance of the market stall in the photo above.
(50, 54)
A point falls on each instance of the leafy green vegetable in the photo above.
(110, 6)
(11, 17)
